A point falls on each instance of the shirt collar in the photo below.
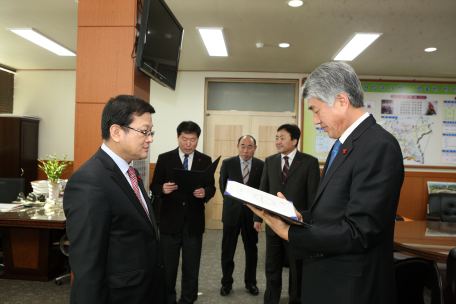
(181, 154)
(350, 129)
(120, 162)
(248, 161)
(291, 155)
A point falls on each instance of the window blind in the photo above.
(6, 92)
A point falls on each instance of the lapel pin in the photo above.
(345, 151)
(199, 159)
(139, 176)
(297, 162)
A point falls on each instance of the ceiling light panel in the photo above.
(431, 49)
(284, 45)
(214, 41)
(43, 41)
(295, 3)
(356, 45)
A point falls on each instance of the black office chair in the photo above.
(442, 207)
(412, 275)
(10, 187)
(62, 248)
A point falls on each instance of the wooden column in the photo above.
(104, 68)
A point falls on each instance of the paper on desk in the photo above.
(263, 200)
(9, 206)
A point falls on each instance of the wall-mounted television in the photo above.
(159, 43)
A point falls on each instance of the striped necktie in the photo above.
(134, 184)
(245, 173)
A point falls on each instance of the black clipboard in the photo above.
(188, 181)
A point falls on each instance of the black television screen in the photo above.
(159, 43)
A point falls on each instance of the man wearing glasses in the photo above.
(181, 216)
(115, 253)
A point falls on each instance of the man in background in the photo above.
(181, 217)
(115, 252)
(237, 217)
(296, 175)
(347, 251)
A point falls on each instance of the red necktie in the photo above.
(134, 183)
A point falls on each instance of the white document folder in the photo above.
(263, 200)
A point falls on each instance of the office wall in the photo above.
(51, 96)
(187, 103)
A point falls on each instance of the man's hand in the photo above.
(168, 188)
(298, 215)
(199, 193)
(280, 227)
(257, 226)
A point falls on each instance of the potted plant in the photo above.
(53, 168)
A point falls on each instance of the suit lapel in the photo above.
(196, 161)
(278, 165)
(177, 162)
(237, 170)
(148, 203)
(253, 171)
(344, 152)
(122, 182)
(295, 164)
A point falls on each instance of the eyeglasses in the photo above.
(145, 133)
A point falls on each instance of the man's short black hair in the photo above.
(120, 110)
(294, 131)
(188, 127)
(254, 141)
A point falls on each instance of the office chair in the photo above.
(442, 207)
(412, 275)
(62, 248)
(10, 188)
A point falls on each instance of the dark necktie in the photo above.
(334, 151)
(134, 184)
(285, 169)
(186, 162)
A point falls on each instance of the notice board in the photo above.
(422, 117)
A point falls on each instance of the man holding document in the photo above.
(295, 174)
(348, 250)
(181, 216)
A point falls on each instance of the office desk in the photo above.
(410, 238)
(27, 234)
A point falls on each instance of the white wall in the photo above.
(51, 96)
(187, 103)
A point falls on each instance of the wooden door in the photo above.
(222, 132)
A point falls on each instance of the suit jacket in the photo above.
(231, 169)
(348, 251)
(300, 185)
(114, 248)
(177, 204)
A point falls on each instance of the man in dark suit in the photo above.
(348, 250)
(237, 217)
(295, 174)
(181, 217)
(115, 253)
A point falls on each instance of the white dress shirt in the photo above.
(123, 166)
(189, 159)
(350, 129)
(290, 158)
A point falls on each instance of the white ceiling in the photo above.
(316, 31)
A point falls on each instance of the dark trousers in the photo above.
(229, 242)
(191, 245)
(276, 248)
